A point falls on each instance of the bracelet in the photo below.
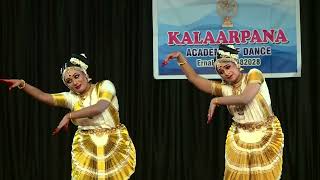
(216, 101)
(70, 116)
(182, 63)
(22, 84)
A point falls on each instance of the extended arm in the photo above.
(31, 90)
(200, 82)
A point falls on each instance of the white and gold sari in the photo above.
(102, 147)
(254, 144)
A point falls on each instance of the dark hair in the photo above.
(80, 57)
(226, 48)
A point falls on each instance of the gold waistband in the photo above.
(255, 125)
(101, 130)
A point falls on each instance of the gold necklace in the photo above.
(236, 90)
(85, 95)
(236, 87)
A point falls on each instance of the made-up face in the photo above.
(76, 81)
(229, 72)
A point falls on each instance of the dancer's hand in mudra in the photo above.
(13, 83)
(212, 107)
(64, 123)
(170, 57)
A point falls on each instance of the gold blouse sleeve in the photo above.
(216, 88)
(255, 76)
(59, 99)
(106, 90)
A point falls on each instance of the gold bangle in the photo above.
(216, 101)
(182, 63)
(22, 84)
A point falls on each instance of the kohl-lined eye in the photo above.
(68, 81)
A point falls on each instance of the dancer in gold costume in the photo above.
(254, 144)
(102, 147)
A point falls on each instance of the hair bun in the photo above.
(82, 57)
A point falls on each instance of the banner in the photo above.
(266, 33)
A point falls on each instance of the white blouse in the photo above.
(104, 90)
(258, 110)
